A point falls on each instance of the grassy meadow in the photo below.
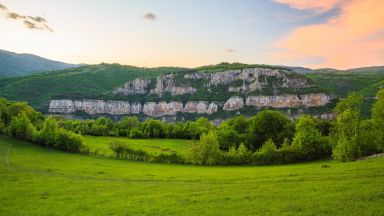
(100, 145)
(39, 181)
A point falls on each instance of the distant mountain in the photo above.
(373, 69)
(14, 64)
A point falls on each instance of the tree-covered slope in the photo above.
(340, 83)
(14, 64)
(86, 81)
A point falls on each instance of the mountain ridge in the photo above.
(18, 64)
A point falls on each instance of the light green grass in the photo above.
(39, 181)
(152, 146)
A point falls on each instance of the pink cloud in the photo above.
(319, 5)
(353, 39)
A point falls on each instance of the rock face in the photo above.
(255, 79)
(284, 101)
(167, 84)
(201, 107)
(244, 82)
(234, 103)
(124, 108)
(162, 108)
(137, 86)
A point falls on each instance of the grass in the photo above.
(40, 181)
(152, 146)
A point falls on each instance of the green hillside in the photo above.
(83, 82)
(99, 81)
(34, 179)
(14, 64)
(342, 83)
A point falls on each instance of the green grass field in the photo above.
(152, 146)
(38, 181)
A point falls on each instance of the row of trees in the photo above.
(131, 127)
(270, 138)
(19, 120)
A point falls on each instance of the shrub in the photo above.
(309, 140)
(21, 128)
(206, 151)
(69, 141)
(47, 136)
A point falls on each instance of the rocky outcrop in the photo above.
(124, 108)
(162, 108)
(284, 101)
(137, 86)
(256, 79)
(201, 107)
(234, 103)
(62, 106)
(167, 84)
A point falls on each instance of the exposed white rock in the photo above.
(167, 84)
(62, 106)
(136, 108)
(234, 103)
(162, 108)
(137, 86)
(285, 101)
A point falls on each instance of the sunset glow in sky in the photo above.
(328, 33)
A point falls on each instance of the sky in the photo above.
(338, 34)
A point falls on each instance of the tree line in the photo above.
(21, 121)
(269, 137)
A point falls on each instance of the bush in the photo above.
(47, 136)
(69, 141)
(206, 151)
(309, 140)
(22, 128)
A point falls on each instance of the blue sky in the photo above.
(181, 33)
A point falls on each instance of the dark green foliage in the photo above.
(309, 140)
(153, 128)
(266, 125)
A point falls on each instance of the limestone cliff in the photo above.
(172, 108)
(125, 108)
(203, 93)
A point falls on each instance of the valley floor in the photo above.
(38, 181)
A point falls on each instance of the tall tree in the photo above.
(348, 128)
(378, 119)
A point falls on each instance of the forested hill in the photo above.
(168, 90)
(14, 64)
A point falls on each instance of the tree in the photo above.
(347, 148)
(69, 141)
(269, 124)
(308, 138)
(348, 128)
(153, 128)
(21, 127)
(378, 119)
(206, 151)
(47, 135)
(126, 124)
(268, 147)
(368, 138)
(227, 136)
